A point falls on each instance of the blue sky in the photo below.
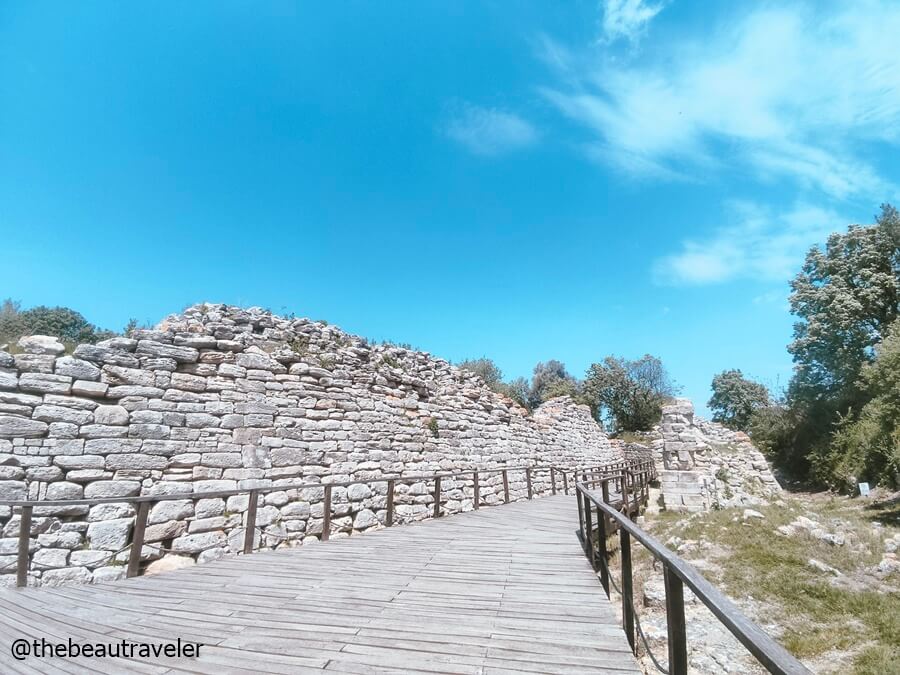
(525, 180)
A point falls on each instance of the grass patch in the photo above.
(819, 613)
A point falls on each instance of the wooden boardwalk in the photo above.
(499, 590)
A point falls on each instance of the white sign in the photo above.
(863, 489)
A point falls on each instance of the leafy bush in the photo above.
(735, 398)
(67, 324)
(628, 395)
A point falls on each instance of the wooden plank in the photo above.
(468, 593)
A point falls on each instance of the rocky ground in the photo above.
(818, 572)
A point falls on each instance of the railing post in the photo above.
(565, 483)
(580, 515)
(601, 550)
(24, 541)
(604, 487)
(588, 526)
(437, 496)
(389, 516)
(627, 588)
(477, 490)
(552, 481)
(137, 540)
(528, 480)
(625, 495)
(505, 487)
(676, 626)
(326, 513)
(250, 525)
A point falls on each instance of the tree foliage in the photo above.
(845, 297)
(628, 395)
(486, 368)
(869, 445)
(735, 398)
(549, 380)
(67, 324)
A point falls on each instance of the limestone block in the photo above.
(65, 576)
(13, 426)
(78, 369)
(109, 535)
(112, 488)
(34, 363)
(54, 413)
(159, 349)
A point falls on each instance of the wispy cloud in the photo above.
(777, 93)
(758, 244)
(490, 131)
(627, 18)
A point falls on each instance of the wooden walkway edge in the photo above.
(501, 590)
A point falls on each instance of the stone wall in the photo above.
(706, 465)
(221, 398)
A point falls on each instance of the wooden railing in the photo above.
(559, 479)
(619, 496)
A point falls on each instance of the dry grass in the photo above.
(819, 613)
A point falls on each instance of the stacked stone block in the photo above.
(222, 398)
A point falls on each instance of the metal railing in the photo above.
(619, 496)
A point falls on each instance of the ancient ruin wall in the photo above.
(706, 465)
(221, 398)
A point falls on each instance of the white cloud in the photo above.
(759, 245)
(489, 131)
(627, 18)
(779, 92)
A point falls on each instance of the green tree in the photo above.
(845, 298)
(868, 447)
(486, 368)
(62, 322)
(551, 379)
(735, 398)
(518, 390)
(628, 395)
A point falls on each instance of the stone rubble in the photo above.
(223, 398)
(704, 465)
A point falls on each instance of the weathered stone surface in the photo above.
(78, 369)
(180, 354)
(112, 488)
(114, 511)
(194, 543)
(127, 390)
(176, 509)
(43, 383)
(68, 540)
(109, 535)
(169, 564)
(111, 415)
(9, 379)
(66, 575)
(88, 388)
(55, 413)
(104, 575)
(50, 558)
(41, 344)
(101, 354)
(64, 490)
(13, 490)
(119, 375)
(34, 363)
(165, 530)
(13, 426)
